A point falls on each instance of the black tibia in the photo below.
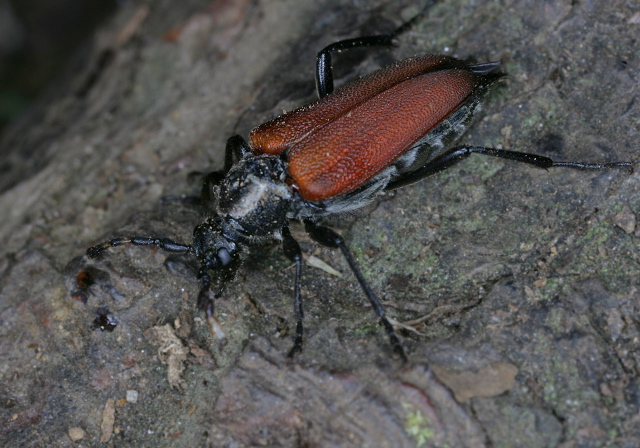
(329, 238)
(236, 147)
(594, 166)
(457, 154)
(210, 180)
(162, 243)
(292, 251)
(324, 70)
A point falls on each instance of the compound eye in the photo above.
(224, 256)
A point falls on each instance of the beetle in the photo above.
(388, 129)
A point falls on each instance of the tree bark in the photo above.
(520, 285)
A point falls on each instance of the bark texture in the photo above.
(522, 284)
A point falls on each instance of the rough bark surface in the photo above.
(522, 284)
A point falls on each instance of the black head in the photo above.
(217, 246)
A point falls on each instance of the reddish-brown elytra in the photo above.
(340, 142)
(386, 130)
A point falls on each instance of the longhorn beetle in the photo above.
(386, 130)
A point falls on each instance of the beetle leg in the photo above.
(330, 238)
(292, 251)
(324, 70)
(236, 146)
(163, 243)
(457, 154)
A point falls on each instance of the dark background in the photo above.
(36, 42)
